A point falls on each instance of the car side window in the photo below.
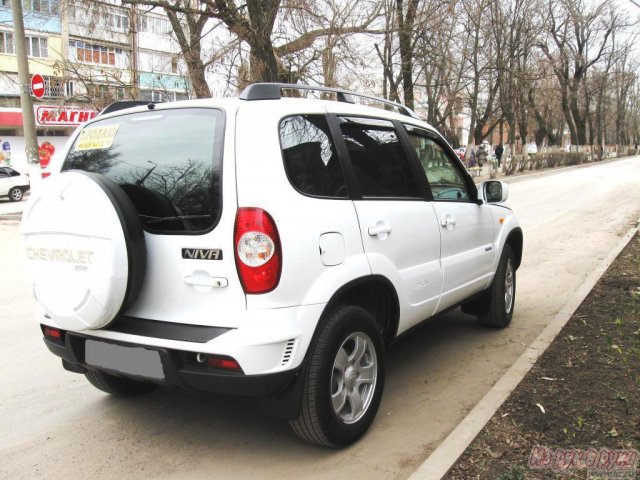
(3, 173)
(310, 157)
(12, 172)
(444, 177)
(379, 162)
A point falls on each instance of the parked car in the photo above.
(264, 246)
(532, 149)
(13, 184)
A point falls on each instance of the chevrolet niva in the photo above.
(264, 246)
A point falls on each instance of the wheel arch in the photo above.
(515, 241)
(374, 293)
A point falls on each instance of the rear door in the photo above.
(169, 161)
(466, 228)
(398, 227)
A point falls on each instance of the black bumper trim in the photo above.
(180, 369)
(166, 330)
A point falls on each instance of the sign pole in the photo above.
(28, 118)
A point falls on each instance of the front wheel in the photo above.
(15, 194)
(344, 380)
(502, 293)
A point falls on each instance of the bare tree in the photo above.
(578, 33)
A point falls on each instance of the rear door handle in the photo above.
(380, 229)
(203, 279)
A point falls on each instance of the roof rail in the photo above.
(115, 106)
(273, 91)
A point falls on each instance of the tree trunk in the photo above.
(405, 42)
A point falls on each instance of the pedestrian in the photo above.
(482, 155)
(499, 152)
(472, 156)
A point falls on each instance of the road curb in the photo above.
(445, 456)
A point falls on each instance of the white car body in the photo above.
(10, 178)
(429, 255)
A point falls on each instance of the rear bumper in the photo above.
(180, 369)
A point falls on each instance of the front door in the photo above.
(466, 228)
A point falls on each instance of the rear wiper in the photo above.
(151, 219)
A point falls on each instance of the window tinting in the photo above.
(444, 177)
(167, 161)
(310, 158)
(379, 162)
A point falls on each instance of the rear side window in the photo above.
(379, 162)
(310, 157)
(168, 162)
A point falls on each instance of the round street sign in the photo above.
(37, 85)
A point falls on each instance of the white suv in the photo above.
(264, 246)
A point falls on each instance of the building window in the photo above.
(68, 88)
(37, 47)
(158, 62)
(150, 24)
(101, 16)
(54, 87)
(6, 43)
(49, 7)
(161, 96)
(98, 54)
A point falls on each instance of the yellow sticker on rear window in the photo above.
(96, 138)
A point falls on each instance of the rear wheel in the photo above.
(15, 194)
(118, 386)
(502, 293)
(344, 380)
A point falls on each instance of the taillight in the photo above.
(53, 333)
(258, 252)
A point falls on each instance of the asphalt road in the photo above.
(55, 425)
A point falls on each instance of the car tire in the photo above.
(16, 194)
(344, 380)
(502, 293)
(118, 386)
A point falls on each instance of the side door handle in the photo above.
(380, 230)
(448, 221)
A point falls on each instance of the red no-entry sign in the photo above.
(37, 85)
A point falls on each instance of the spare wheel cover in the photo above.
(85, 247)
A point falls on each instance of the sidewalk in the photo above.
(579, 399)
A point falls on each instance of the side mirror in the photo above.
(494, 191)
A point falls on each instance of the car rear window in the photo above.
(169, 162)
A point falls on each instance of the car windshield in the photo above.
(168, 162)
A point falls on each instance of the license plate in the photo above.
(129, 360)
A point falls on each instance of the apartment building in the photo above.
(90, 54)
